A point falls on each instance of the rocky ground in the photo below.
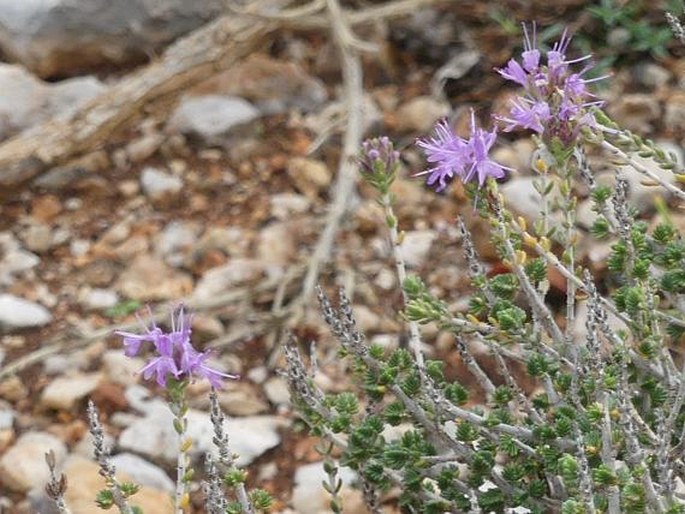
(219, 203)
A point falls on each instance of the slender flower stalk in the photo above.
(115, 493)
(378, 162)
(56, 487)
(176, 364)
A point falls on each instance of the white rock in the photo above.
(67, 96)
(13, 258)
(64, 37)
(96, 299)
(276, 390)
(277, 242)
(416, 245)
(63, 393)
(143, 472)
(522, 198)
(121, 369)
(84, 478)
(258, 374)
(309, 496)
(211, 116)
(420, 114)
(16, 313)
(23, 97)
(176, 240)
(222, 278)
(149, 278)
(242, 401)
(158, 184)
(636, 111)
(153, 436)
(23, 467)
(284, 205)
(233, 241)
(7, 416)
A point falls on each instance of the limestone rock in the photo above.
(18, 313)
(63, 393)
(212, 116)
(149, 278)
(23, 467)
(66, 37)
(85, 480)
(154, 437)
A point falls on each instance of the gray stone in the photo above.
(273, 85)
(212, 116)
(149, 278)
(284, 205)
(143, 472)
(154, 437)
(415, 246)
(158, 184)
(67, 96)
(26, 100)
(276, 390)
(309, 496)
(277, 242)
(7, 416)
(84, 479)
(22, 467)
(14, 260)
(97, 299)
(17, 313)
(176, 241)
(38, 237)
(22, 100)
(419, 114)
(233, 241)
(651, 75)
(63, 393)
(65, 37)
(636, 111)
(242, 401)
(121, 369)
(524, 199)
(222, 278)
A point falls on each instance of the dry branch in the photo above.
(210, 49)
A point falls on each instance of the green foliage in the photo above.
(123, 308)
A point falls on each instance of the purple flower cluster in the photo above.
(176, 356)
(556, 100)
(453, 156)
(378, 155)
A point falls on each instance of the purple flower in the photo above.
(454, 156)
(527, 114)
(556, 101)
(378, 155)
(176, 356)
(481, 164)
(448, 152)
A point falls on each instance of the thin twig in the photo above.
(344, 186)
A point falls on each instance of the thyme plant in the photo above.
(175, 364)
(603, 429)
